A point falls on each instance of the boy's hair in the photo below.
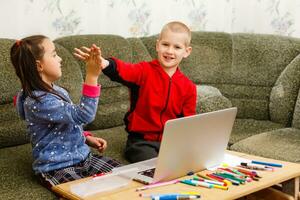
(24, 54)
(177, 27)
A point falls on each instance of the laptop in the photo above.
(189, 144)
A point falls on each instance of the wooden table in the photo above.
(287, 177)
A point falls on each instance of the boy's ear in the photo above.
(156, 45)
(39, 66)
(188, 51)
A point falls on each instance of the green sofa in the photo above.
(259, 74)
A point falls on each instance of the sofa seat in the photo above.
(244, 128)
(273, 144)
(16, 176)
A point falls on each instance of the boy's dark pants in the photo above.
(137, 149)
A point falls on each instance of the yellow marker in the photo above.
(225, 165)
(220, 187)
(228, 183)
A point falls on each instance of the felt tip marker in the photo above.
(266, 163)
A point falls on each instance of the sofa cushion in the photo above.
(16, 176)
(10, 83)
(13, 132)
(210, 99)
(244, 128)
(280, 144)
(284, 93)
(296, 117)
(257, 62)
(252, 101)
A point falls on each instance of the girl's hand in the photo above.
(93, 60)
(97, 143)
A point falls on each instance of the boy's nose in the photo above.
(170, 50)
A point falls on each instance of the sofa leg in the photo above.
(291, 187)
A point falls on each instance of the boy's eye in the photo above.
(177, 47)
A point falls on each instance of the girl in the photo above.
(59, 144)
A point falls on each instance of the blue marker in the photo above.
(266, 163)
(175, 197)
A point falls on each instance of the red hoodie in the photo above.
(154, 96)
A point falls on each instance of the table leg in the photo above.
(291, 187)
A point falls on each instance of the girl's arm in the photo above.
(52, 109)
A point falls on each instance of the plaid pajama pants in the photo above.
(94, 164)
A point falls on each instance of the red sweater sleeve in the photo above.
(189, 107)
(130, 72)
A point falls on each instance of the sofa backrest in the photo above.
(258, 73)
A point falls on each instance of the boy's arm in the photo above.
(189, 107)
(123, 72)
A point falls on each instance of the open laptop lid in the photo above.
(193, 143)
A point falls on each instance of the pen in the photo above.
(266, 163)
(157, 185)
(175, 197)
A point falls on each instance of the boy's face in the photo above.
(171, 49)
(49, 66)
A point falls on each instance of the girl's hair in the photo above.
(24, 54)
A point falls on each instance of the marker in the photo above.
(174, 194)
(220, 187)
(175, 197)
(266, 163)
(209, 181)
(157, 185)
(196, 183)
(256, 167)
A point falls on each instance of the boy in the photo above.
(159, 91)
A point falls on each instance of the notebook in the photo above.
(189, 144)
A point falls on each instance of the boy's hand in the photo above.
(97, 143)
(93, 60)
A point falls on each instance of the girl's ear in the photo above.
(39, 66)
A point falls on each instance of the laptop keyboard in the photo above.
(148, 172)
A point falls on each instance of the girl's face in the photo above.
(49, 66)
(171, 49)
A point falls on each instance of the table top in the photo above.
(279, 175)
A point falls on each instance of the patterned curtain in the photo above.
(131, 18)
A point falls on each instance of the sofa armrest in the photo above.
(210, 99)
